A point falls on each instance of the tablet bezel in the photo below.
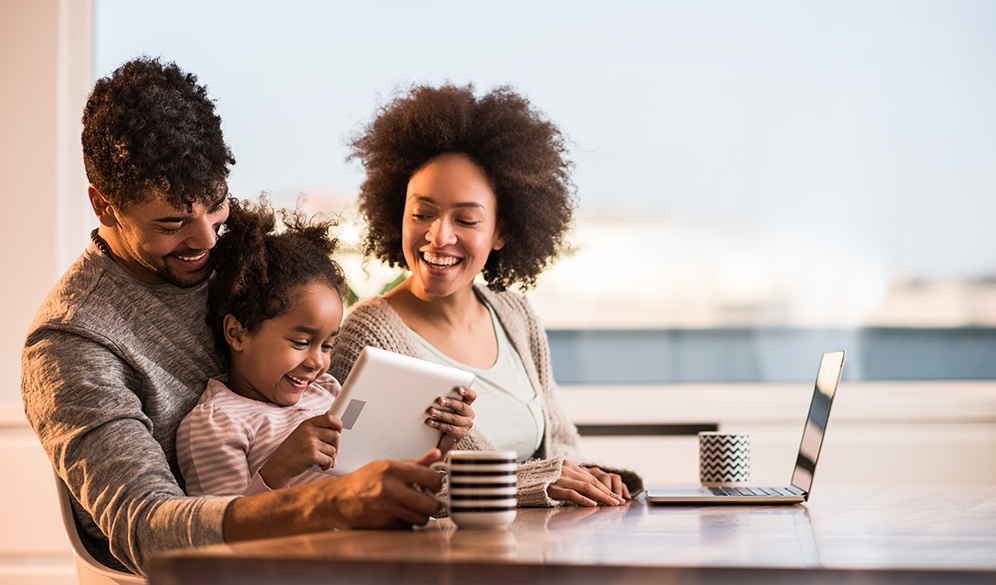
(397, 391)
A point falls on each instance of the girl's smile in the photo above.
(277, 362)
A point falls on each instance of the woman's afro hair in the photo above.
(150, 129)
(258, 270)
(522, 154)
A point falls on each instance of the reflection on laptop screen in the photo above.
(816, 422)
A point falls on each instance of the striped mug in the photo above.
(482, 488)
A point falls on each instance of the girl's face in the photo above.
(449, 227)
(277, 362)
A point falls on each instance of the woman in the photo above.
(459, 186)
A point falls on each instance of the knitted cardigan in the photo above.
(374, 322)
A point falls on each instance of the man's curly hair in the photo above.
(257, 269)
(150, 129)
(522, 154)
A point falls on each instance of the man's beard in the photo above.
(186, 279)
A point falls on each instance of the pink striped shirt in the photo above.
(226, 438)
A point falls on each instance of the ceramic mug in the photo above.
(724, 459)
(482, 488)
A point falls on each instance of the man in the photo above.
(120, 352)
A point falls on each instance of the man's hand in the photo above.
(314, 442)
(381, 494)
(588, 486)
(455, 425)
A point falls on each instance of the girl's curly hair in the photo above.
(149, 128)
(257, 270)
(522, 154)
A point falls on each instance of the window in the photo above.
(755, 179)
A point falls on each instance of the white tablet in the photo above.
(384, 404)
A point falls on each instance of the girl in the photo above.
(275, 303)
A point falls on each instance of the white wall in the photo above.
(45, 64)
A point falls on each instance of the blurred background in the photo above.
(791, 175)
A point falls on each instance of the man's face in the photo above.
(156, 242)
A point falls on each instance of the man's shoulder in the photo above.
(84, 284)
(96, 297)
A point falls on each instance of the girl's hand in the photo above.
(588, 486)
(314, 442)
(455, 425)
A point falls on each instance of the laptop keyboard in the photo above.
(757, 491)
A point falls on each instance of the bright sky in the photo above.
(868, 125)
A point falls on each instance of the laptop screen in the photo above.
(816, 422)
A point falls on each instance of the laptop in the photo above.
(805, 464)
(384, 404)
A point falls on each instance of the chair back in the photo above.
(89, 570)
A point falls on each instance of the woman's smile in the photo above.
(440, 261)
(450, 225)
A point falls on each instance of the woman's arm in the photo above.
(561, 440)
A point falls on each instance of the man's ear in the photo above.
(235, 334)
(101, 208)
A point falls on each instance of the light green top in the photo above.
(507, 409)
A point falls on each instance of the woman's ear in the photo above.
(498, 241)
(235, 334)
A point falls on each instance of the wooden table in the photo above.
(851, 535)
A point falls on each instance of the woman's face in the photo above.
(449, 227)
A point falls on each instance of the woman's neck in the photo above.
(458, 325)
(457, 311)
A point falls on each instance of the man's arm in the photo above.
(130, 489)
(381, 494)
(101, 442)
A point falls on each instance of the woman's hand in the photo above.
(613, 481)
(314, 442)
(588, 486)
(455, 425)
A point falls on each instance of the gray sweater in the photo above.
(110, 367)
(374, 322)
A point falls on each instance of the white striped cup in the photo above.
(482, 488)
